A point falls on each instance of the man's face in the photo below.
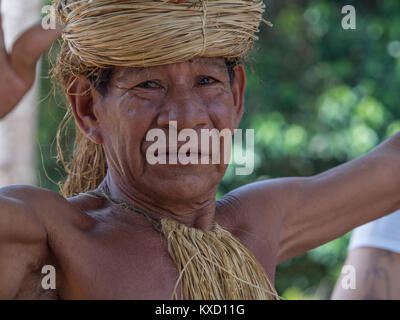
(198, 94)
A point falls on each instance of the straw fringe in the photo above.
(213, 265)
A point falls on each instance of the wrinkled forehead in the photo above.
(196, 64)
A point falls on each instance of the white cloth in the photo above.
(383, 233)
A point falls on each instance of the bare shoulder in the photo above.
(18, 214)
(28, 194)
(41, 204)
(257, 210)
(23, 240)
(261, 201)
(30, 218)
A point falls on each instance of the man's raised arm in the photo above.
(299, 214)
(18, 66)
(22, 236)
(331, 204)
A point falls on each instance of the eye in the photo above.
(206, 81)
(149, 85)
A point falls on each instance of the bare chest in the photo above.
(121, 265)
(123, 262)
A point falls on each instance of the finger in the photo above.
(3, 51)
(28, 48)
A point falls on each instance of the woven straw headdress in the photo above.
(134, 33)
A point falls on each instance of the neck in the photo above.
(196, 213)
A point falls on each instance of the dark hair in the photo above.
(230, 65)
(101, 82)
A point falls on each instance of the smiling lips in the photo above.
(176, 151)
(184, 158)
(187, 147)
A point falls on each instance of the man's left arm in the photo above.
(330, 204)
(308, 212)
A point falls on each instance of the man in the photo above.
(107, 244)
(374, 253)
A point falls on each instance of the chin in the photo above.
(183, 187)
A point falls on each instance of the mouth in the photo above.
(183, 158)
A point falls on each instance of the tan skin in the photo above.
(377, 275)
(101, 251)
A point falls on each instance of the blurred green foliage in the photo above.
(317, 96)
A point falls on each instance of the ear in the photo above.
(82, 97)
(238, 90)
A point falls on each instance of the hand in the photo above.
(18, 68)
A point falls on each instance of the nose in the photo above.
(185, 107)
